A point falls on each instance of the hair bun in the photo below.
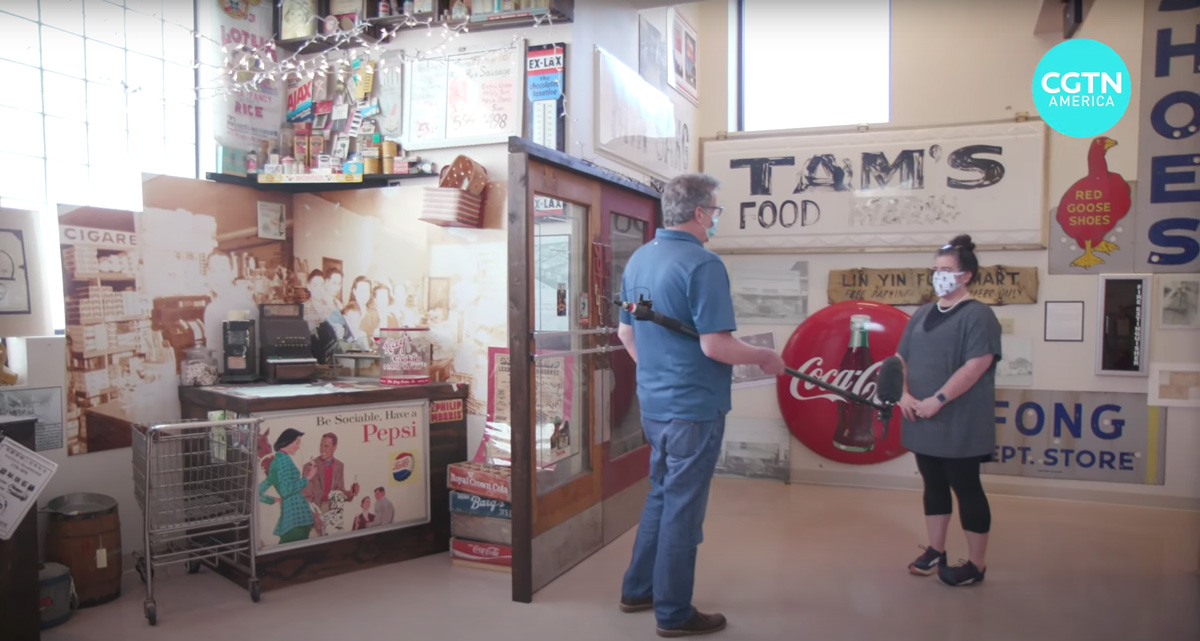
(963, 242)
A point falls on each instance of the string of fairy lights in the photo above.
(248, 68)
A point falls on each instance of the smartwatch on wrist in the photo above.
(941, 398)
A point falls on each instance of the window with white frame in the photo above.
(814, 63)
(95, 92)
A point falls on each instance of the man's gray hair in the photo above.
(684, 194)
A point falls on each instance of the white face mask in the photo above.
(945, 282)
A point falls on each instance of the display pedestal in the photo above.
(318, 558)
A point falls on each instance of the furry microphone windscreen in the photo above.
(889, 386)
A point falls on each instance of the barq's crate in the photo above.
(452, 207)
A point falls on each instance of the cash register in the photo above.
(284, 343)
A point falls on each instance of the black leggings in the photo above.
(962, 475)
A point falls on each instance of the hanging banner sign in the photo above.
(1082, 436)
(895, 189)
(243, 118)
(997, 285)
(1168, 203)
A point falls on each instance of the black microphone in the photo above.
(889, 386)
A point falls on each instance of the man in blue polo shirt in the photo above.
(684, 389)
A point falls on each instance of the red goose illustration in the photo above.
(1093, 205)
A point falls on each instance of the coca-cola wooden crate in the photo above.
(488, 556)
(486, 529)
(464, 503)
(492, 481)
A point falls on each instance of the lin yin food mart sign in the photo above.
(1082, 436)
(894, 188)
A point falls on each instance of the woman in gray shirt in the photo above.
(950, 349)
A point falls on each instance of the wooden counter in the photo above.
(447, 444)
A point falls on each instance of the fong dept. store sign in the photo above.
(1084, 436)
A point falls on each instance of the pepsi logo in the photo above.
(403, 467)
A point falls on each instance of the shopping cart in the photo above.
(194, 481)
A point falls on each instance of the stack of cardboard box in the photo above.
(480, 516)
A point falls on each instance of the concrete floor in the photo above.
(782, 562)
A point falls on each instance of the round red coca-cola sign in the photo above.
(842, 345)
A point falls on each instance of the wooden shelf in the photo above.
(123, 319)
(103, 277)
(560, 11)
(369, 181)
(103, 353)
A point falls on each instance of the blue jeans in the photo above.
(682, 461)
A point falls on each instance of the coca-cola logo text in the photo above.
(859, 381)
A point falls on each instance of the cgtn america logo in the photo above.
(1081, 88)
(1068, 89)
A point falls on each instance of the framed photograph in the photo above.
(1015, 368)
(1179, 301)
(682, 52)
(14, 273)
(438, 294)
(1174, 385)
(272, 220)
(1123, 341)
(1064, 321)
(652, 54)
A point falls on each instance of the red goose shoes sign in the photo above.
(843, 345)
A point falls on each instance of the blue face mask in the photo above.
(712, 231)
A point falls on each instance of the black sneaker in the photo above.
(928, 562)
(700, 623)
(964, 574)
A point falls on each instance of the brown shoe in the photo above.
(700, 623)
(637, 605)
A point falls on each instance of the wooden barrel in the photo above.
(84, 534)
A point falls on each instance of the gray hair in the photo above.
(684, 194)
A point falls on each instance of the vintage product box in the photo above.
(301, 151)
(299, 101)
(464, 503)
(491, 481)
(489, 556)
(484, 529)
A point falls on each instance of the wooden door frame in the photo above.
(623, 473)
(522, 153)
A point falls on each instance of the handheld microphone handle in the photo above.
(836, 390)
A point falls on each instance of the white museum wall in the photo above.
(965, 62)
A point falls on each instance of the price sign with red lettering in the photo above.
(473, 98)
(820, 347)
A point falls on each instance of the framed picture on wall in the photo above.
(1123, 342)
(1174, 385)
(1179, 301)
(682, 53)
(1064, 321)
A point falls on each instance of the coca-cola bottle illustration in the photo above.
(855, 426)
